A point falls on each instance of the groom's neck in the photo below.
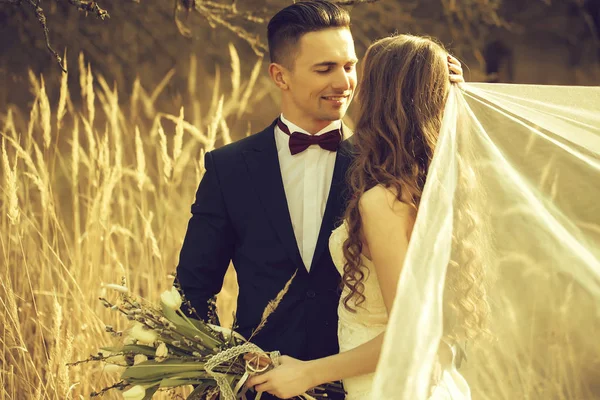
(310, 125)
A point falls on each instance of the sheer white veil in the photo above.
(525, 161)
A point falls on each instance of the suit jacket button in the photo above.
(310, 293)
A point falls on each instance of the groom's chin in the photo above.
(336, 114)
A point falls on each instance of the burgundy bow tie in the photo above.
(301, 141)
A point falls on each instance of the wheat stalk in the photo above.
(164, 151)
(10, 183)
(140, 158)
(107, 196)
(104, 151)
(90, 95)
(45, 114)
(241, 108)
(9, 124)
(75, 152)
(149, 234)
(91, 139)
(192, 76)
(110, 103)
(34, 82)
(214, 124)
(64, 94)
(42, 180)
(63, 371)
(33, 117)
(216, 93)
(272, 306)
(235, 73)
(135, 99)
(199, 166)
(82, 76)
(225, 133)
(189, 128)
(54, 361)
(178, 139)
(161, 85)
(75, 159)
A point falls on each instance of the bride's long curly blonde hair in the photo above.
(401, 100)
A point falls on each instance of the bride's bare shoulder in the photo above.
(380, 198)
(382, 212)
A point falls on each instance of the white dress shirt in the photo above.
(306, 179)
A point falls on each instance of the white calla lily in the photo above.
(135, 393)
(142, 335)
(171, 299)
(113, 368)
(117, 359)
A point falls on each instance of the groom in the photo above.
(269, 202)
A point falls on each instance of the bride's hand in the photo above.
(291, 378)
(455, 69)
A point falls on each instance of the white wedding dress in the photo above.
(369, 321)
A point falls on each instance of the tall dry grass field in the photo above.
(97, 192)
(91, 195)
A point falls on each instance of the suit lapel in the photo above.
(263, 165)
(335, 200)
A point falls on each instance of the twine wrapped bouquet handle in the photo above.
(257, 361)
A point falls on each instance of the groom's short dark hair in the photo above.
(290, 24)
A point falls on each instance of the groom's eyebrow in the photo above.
(333, 63)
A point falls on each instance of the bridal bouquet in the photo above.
(165, 349)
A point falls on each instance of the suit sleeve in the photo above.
(208, 244)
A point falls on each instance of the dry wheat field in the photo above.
(100, 191)
(90, 196)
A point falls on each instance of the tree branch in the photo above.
(87, 6)
(223, 14)
(41, 17)
(90, 6)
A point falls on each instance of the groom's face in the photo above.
(322, 80)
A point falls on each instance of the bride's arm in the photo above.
(387, 225)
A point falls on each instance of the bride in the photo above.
(404, 88)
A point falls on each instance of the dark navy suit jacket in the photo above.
(241, 215)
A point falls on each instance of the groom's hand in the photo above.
(455, 69)
(291, 378)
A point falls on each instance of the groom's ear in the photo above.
(278, 75)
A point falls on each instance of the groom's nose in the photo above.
(342, 80)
